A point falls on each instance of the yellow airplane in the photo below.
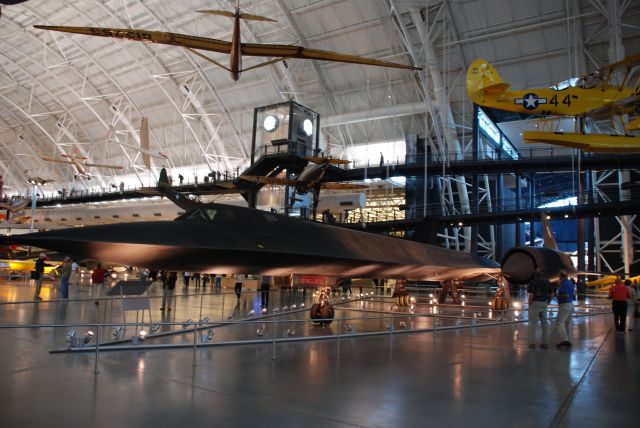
(605, 283)
(79, 164)
(235, 48)
(27, 265)
(594, 96)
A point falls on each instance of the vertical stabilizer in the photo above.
(483, 79)
(164, 187)
(549, 240)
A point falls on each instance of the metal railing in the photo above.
(261, 330)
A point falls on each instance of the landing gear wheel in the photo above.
(322, 315)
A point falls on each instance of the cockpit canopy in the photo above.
(218, 213)
(586, 82)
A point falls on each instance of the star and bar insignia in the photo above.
(530, 101)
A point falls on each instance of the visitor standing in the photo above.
(65, 275)
(37, 274)
(540, 293)
(265, 285)
(565, 294)
(632, 302)
(238, 286)
(97, 279)
(619, 295)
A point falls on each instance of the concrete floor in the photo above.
(461, 377)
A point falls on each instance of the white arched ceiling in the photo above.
(59, 91)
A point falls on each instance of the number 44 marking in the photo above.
(566, 100)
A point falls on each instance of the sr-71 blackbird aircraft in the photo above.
(235, 48)
(223, 238)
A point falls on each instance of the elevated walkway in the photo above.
(272, 160)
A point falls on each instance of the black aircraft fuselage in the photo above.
(227, 239)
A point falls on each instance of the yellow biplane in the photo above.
(596, 96)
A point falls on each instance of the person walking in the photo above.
(540, 293)
(217, 282)
(619, 295)
(65, 275)
(265, 285)
(185, 279)
(38, 273)
(381, 159)
(632, 302)
(196, 279)
(565, 294)
(97, 279)
(238, 286)
(75, 277)
(168, 285)
(346, 285)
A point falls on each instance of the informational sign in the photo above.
(135, 303)
(126, 289)
(314, 280)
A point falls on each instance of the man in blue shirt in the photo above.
(565, 310)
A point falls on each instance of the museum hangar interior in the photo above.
(363, 191)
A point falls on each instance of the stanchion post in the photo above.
(435, 326)
(195, 343)
(95, 370)
(273, 333)
(338, 336)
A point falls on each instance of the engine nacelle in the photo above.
(519, 263)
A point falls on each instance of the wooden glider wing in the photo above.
(100, 165)
(57, 160)
(147, 36)
(268, 180)
(215, 45)
(292, 51)
(342, 186)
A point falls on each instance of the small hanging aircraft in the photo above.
(143, 148)
(15, 205)
(39, 180)
(78, 162)
(309, 180)
(235, 48)
(597, 96)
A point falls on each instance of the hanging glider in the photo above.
(234, 48)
